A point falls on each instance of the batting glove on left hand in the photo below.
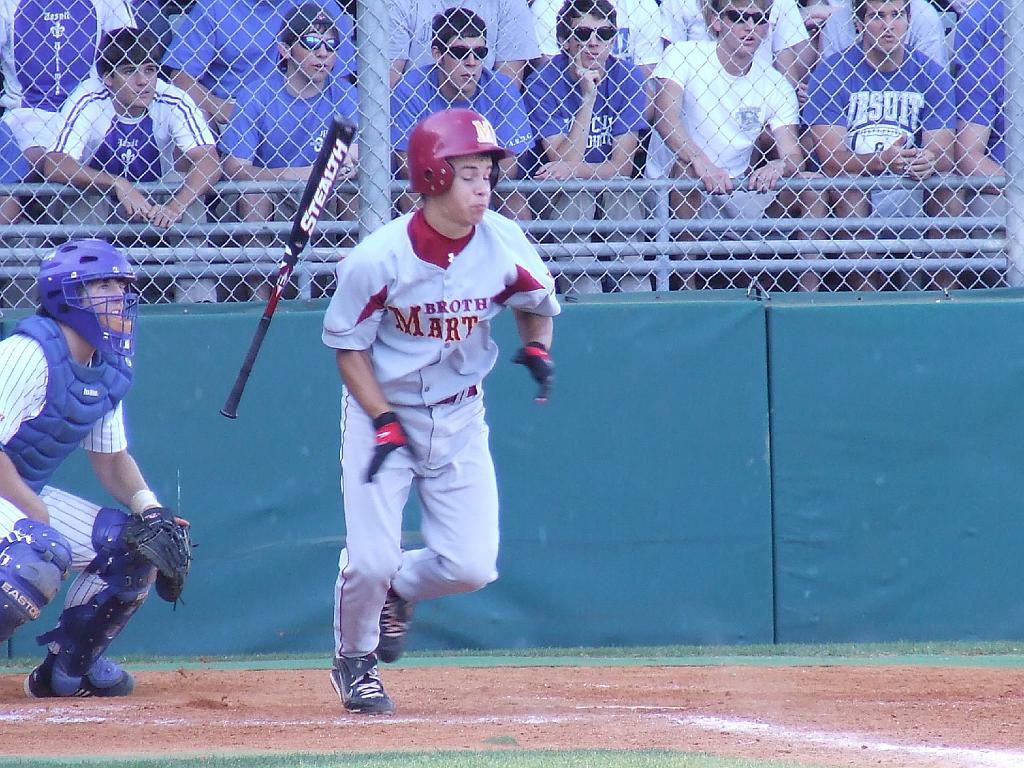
(537, 360)
(390, 437)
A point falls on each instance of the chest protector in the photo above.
(77, 396)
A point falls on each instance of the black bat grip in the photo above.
(230, 408)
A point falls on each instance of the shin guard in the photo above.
(34, 559)
(85, 631)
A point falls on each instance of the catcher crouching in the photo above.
(63, 375)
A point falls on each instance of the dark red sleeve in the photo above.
(376, 302)
(524, 283)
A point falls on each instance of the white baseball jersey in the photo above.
(48, 47)
(785, 25)
(642, 28)
(23, 379)
(428, 326)
(723, 114)
(90, 125)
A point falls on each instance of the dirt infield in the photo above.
(854, 716)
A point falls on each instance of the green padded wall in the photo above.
(636, 505)
(261, 491)
(897, 442)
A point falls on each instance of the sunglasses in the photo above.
(739, 17)
(583, 34)
(313, 42)
(462, 52)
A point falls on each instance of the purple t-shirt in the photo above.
(553, 100)
(982, 70)
(13, 164)
(418, 94)
(55, 45)
(129, 150)
(223, 43)
(876, 107)
(273, 129)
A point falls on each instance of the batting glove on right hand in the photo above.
(537, 360)
(390, 437)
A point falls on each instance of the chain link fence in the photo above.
(672, 145)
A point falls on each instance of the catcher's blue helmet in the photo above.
(107, 324)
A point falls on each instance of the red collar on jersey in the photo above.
(430, 245)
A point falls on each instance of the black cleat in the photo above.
(395, 619)
(357, 682)
(104, 678)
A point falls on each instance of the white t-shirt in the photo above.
(173, 121)
(723, 114)
(23, 379)
(785, 25)
(642, 28)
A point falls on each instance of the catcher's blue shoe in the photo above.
(395, 620)
(357, 681)
(104, 678)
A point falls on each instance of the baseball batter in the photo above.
(410, 323)
(63, 374)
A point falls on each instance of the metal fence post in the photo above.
(1014, 113)
(374, 181)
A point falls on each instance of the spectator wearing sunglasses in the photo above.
(219, 44)
(714, 99)
(510, 36)
(853, 134)
(458, 78)
(280, 124)
(642, 31)
(786, 43)
(587, 108)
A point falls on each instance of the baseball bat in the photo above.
(315, 195)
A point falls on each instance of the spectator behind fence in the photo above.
(14, 168)
(222, 43)
(882, 109)
(458, 78)
(714, 99)
(586, 107)
(129, 127)
(280, 125)
(925, 32)
(642, 31)
(786, 42)
(151, 17)
(511, 39)
(47, 48)
(980, 102)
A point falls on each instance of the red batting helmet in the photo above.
(444, 135)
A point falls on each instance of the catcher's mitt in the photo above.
(157, 537)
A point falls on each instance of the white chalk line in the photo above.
(966, 756)
(37, 715)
